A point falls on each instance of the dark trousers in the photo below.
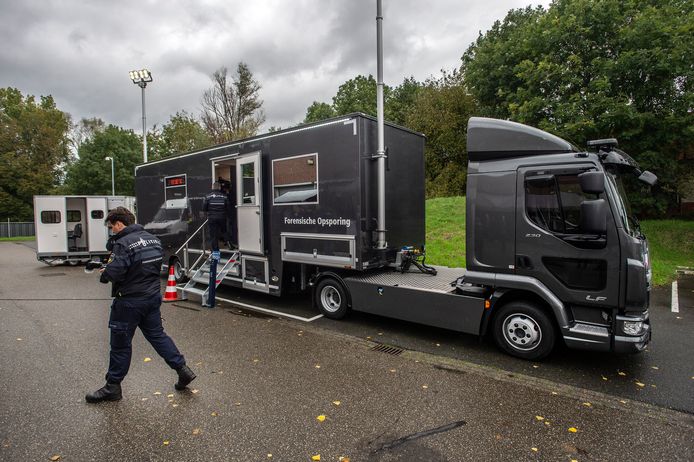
(218, 230)
(126, 316)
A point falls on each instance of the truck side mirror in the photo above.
(594, 216)
(592, 182)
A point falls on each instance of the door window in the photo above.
(248, 184)
(553, 202)
(50, 216)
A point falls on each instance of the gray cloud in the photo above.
(300, 51)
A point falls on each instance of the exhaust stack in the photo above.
(381, 152)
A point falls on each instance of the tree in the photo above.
(231, 111)
(441, 110)
(597, 69)
(183, 133)
(34, 149)
(319, 111)
(85, 130)
(91, 174)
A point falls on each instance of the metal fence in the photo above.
(16, 229)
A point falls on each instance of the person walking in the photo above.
(216, 205)
(133, 270)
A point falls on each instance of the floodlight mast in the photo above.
(141, 78)
(381, 152)
(113, 176)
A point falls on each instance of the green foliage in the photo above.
(672, 244)
(440, 110)
(34, 149)
(587, 69)
(359, 95)
(91, 174)
(183, 133)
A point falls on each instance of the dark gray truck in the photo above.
(553, 252)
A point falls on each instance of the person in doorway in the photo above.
(133, 271)
(216, 206)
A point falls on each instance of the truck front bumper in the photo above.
(632, 333)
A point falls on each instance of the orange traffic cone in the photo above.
(171, 295)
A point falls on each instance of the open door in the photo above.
(97, 232)
(51, 229)
(249, 208)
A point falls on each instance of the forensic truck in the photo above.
(554, 253)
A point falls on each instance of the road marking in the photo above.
(265, 310)
(675, 307)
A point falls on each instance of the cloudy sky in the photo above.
(299, 50)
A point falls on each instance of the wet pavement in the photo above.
(263, 383)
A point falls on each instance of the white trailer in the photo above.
(71, 229)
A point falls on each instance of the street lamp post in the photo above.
(141, 78)
(113, 176)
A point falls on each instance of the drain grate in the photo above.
(391, 350)
(50, 275)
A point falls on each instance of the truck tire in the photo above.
(524, 330)
(331, 298)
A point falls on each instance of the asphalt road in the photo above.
(263, 382)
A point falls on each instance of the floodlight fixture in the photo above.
(141, 78)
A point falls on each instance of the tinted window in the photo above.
(295, 180)
(248, 184)
(50, 216)
(97, 214)
(554, 202)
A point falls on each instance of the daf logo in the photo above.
(595, 299)
(533, 235)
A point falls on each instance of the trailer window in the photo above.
(295, 180)
(50, 216)
(97, 214)
(74, 216)
(248, 184)
(553, 202)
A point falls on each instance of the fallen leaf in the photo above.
(316, 457)
(170, 395)
(604, 378)
(655, 367)
(367, 338)
(554, 393)
(147, 360)
(653, 386)
(269, 456)
(380, 333)
(587, 405)
(534, 449)
(320, 418)
(55, 457)
(317, 366)
(194, 391)
(539, 417)
(573, 429)
(535, 366)
(640, 384)
(199, 364)
(547, 422)
(145, 399)
(19, 339)
(392, 370)
(343, 459)
(237, 404)
(425, 386)
(196, 431)
(157, 393)
(214, 414)
(255, 360)
(337, 403)
(438, 344)
(165, 443)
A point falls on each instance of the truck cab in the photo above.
(551, 234)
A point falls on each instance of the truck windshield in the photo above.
(163, 215)
(616, 186)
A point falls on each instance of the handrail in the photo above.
(191, 237)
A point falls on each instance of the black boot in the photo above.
(185, 376)
(109, 392)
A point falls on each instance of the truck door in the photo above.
(97, 232)
(249, 202)
(581, 269)
(51, 224)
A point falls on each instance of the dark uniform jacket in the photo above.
(216, 205)
(135, 264)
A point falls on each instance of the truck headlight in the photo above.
(632, 327)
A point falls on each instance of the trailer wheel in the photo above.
(179, 273)
(523, 330)
(331, 298)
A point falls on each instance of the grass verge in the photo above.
(18, 238)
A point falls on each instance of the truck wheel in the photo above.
(331, 298)
(523, 330)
